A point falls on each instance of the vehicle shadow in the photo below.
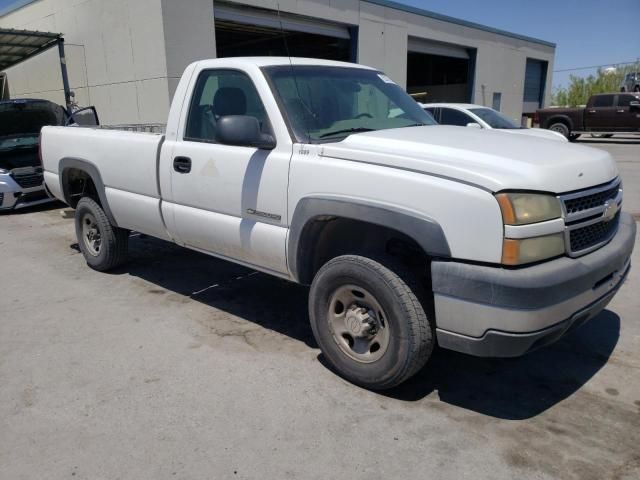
(259, 298)
(628, 140)
(517, 388)
(43, 207)
(511, 389)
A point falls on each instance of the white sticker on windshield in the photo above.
(385, 79)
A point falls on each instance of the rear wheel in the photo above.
(104, 246)
(561, 128)
(368, 321)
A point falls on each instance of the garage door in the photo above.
(534, 85)
(439, 72)
(258, 32)
(430, 47)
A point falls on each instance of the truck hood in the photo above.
(538, 132)
(28, 116)
(490, 159)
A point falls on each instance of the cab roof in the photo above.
(282, 61)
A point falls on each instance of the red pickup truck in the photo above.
(605, 114)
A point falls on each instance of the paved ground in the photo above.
(182, 366)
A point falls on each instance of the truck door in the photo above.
(229, 201)
(627, 116)
(600, 114)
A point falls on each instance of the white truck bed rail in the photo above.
(158, 128)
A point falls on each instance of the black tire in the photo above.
(410, 338)
(562, 128)
(106, 250)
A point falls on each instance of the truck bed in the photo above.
(128, 166)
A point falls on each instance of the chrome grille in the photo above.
(577, 205)
(586, 237)
(1, 198)
(591, 217)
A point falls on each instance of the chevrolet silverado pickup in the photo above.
(604, 115)
(328, 174)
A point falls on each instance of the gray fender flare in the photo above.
(90, 169)
(425, 231)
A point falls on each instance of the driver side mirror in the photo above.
(243, 131)
(474, 125)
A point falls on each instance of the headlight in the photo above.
(529, 250)
(525, 208)
(2, 170)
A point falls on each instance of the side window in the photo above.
(603, 101)
(449, 116)
(433, 112)
(625, 100)
(219, 93)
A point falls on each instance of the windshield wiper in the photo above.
(415, 125)
(347, 130)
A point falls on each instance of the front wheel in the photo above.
(103, 245)
(368, 321)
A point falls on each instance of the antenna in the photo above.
(293, 73)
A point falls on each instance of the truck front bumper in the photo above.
(498, 312)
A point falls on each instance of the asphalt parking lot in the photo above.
(183, 366)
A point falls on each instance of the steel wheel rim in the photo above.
(358, 324)
(91, 236)
(557, 129)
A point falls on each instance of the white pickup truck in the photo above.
(329, 174)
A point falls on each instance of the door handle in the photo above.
(591, 111)
(621, 111)
(182, 164)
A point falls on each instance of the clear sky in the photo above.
(587, 32)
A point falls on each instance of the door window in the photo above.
(625, 100)
(449, 116)
(219, 93)
(433, 111)
(603, 101)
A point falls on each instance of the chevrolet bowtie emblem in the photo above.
(610, 210)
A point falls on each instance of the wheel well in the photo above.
(562, 120)
(77, 183)
(325, 238)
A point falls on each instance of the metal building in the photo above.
(125, 56)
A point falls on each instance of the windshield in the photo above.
(18, 141)
(330, 103)
(495, 119)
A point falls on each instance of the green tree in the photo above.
(581, 88)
